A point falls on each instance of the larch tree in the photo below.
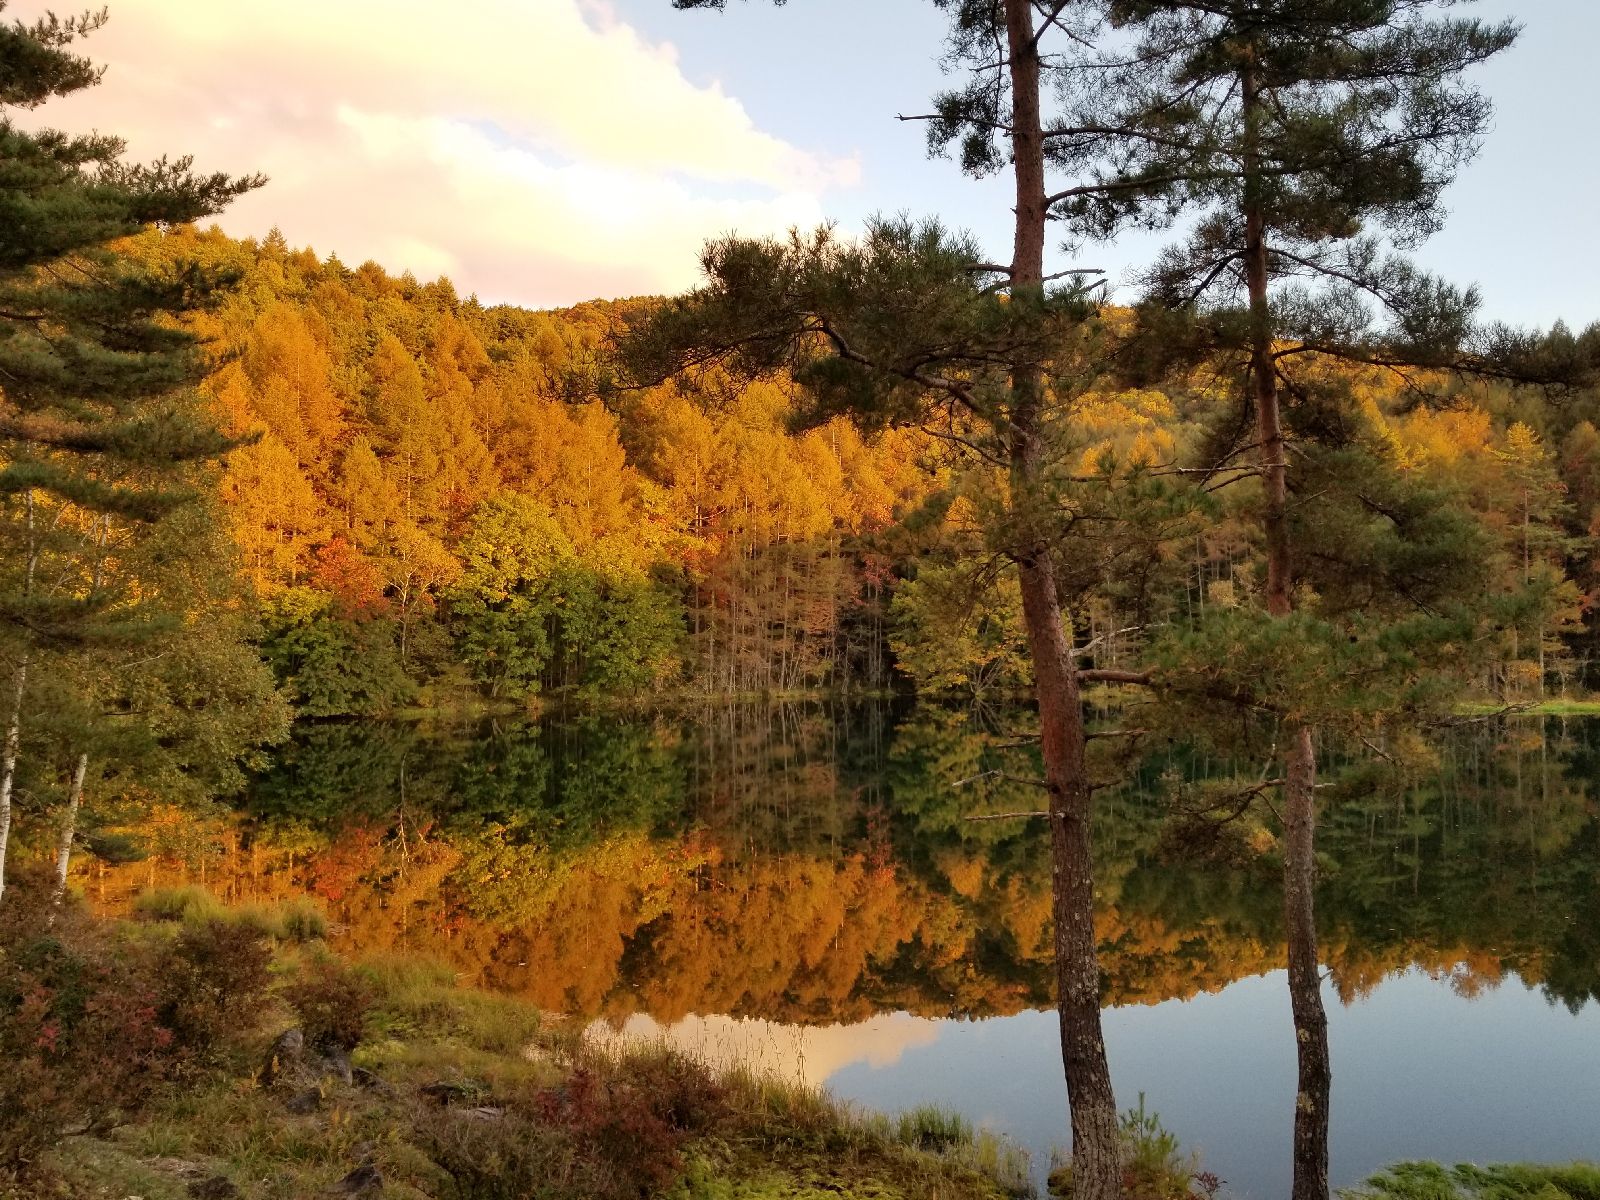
(1304, 144)
(93, 419)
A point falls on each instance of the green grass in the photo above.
(1547, 708)
(190, 903)
(298, 920)
(1509, 1181)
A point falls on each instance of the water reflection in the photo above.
(812, 868)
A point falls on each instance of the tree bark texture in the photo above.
(1314, 1069)
(1096, 1161)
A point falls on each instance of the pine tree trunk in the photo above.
(8, 765)
(1314, 1073)
(1096, 1166)
(69, 830)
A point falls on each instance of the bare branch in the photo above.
(1010, 816)
(1096, 675)
(1040, 783)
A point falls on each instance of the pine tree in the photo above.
(912, 327)
(1304, 140)
(92, 425)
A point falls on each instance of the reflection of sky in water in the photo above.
(1419, 1072)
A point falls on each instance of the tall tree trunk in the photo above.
(1096, 1161)
(1314, 1073)
(69, 830)
(8, 764)
(1096, 1165)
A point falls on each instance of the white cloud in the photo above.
(535, 150)
(806, 1053)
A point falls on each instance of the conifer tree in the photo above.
(913, 327)
(91, 418)
(1304, 142)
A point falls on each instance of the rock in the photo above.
(287, 1053)
(484, 1112)
(365, 1180)
(448, 1093)
(218, 1187)
(370, 1081)
(336, 1062)
(303, 1102)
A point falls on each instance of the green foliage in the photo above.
(111, 587)
(504, 603)
(1505, 1181)
(954, 629)
(530, 615)
(333, 666)
(615, 635)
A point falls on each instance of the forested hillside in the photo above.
(444, 492)
(436, 488)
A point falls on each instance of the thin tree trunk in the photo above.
(8, 765)
(1314, 1084)
(69, 830)
(1096, 1166)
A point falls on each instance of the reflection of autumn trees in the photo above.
(813, 865)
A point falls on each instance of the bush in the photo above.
(213, 979)
(613, 1131)
(80, 1040)
(332, 1002)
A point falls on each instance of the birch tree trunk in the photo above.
(8, 765)
(69, 830)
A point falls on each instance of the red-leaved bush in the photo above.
(91, 1024)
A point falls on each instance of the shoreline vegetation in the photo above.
(470, 704)
(280, 1070)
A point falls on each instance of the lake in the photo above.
(799, 886)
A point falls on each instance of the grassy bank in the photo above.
(1531, 708)
(1510, 1181)
(397, 1083)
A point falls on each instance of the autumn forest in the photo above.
(873, 631)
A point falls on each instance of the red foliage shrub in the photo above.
(92, 1023)
(82, 1042)
(213, 981)
(332, 1002)
(612, 1131)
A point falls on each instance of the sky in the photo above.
(543, 152)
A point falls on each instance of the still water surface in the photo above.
(1420, 1071)
(800, 887)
